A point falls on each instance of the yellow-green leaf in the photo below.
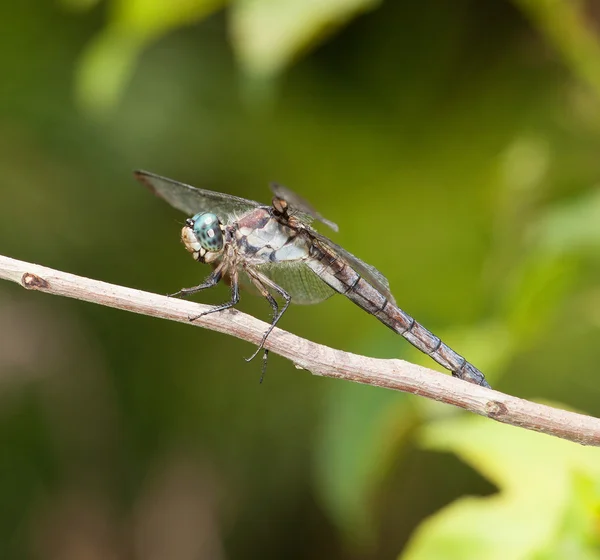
(268, 34)
(538, 479)
(108, 62)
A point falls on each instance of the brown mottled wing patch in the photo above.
(192, 200)
(297, 203)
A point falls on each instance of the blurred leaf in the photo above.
(359, 437)
(156, 17)
(578, 535)
(104, 68)
(539, 286)
(268, 34)
(565, 26)
(570, 227)
(546, 484)
(79, 5)
(108, 62)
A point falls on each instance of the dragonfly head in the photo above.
(202, 236)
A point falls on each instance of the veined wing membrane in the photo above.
(368, 272)
(297, 203)
(192, 200)
(299, 281)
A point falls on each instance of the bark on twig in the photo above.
(318, 359)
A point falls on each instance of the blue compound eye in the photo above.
(208, 231)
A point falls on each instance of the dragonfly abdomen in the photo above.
(345, 280)
(430, 344)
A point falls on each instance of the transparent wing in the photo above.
(298, 280)
(368, 272)
(297, 203)
(192, 200)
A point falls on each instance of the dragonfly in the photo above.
(274, 250)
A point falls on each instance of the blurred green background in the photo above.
(457, 146)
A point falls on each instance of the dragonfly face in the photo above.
(275, 249)
(203, 236)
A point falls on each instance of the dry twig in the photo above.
(320, 360)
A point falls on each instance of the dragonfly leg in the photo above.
(211, 281)
(262, 282)
(235, 298)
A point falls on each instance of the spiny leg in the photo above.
(261, 282)
(235, 298)
(211, 281)
(265, 293)
(275, 308)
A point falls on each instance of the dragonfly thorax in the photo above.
(202, 236)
